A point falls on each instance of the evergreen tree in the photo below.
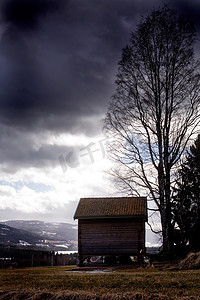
(186, 206)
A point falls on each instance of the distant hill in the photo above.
(51, 230)
(55, 236)
(12, 235)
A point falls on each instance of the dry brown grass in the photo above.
(192, 261)
(60, 283)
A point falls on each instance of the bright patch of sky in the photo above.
(52, 188)
(35, 186)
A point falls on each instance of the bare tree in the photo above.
(154, 111)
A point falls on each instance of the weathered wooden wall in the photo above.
(111, 236)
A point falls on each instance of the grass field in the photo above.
(60, 283)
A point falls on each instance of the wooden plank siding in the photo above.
(111, 236)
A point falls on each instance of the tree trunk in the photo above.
(167, 237)
(165, 211)
(167, 230)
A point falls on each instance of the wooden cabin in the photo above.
(111, 226)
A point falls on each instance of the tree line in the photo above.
(12, 256)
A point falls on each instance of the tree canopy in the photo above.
(155, 109)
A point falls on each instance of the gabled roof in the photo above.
(97, 208)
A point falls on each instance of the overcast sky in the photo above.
(58, 61)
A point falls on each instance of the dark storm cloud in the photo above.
(188, 8)
(61, 70)
(58, 66)
(25, 14)
(23, 150)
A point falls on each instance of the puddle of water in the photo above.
(97, 271)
